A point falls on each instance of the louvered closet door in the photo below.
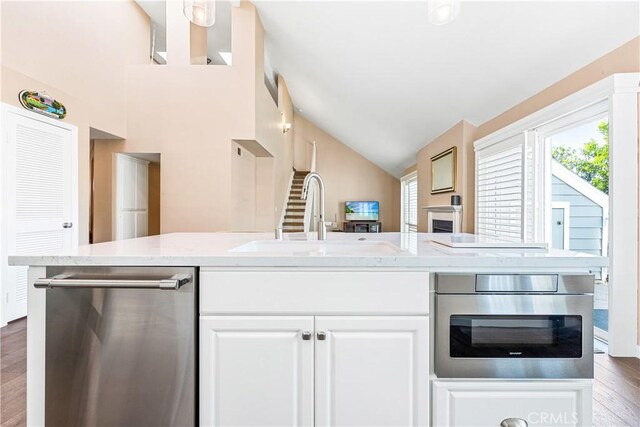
(40, 198)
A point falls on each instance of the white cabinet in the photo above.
(314, 292)
(372, 371)
(256, 371)
(488, 403)
(259, 370)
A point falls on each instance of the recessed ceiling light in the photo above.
(443, 12)
(227, 57)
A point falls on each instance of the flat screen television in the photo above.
(362, 211)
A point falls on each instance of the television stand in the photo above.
(362, 227)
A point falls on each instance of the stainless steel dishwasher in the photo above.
(120, 346)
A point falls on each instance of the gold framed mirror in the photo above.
(443, 171)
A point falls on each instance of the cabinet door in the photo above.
(372, 371)
(488, 403)
(256, 371)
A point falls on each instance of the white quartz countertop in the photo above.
(402, 250)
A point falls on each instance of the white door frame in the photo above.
(566, 212)
(543, 134)
(621, 93)
(8, 194)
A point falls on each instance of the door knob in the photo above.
(321, 336)
(67, 224)
(306, 335)
(514, 422)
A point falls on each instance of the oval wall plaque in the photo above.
(42, 103)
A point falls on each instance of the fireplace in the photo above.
(441, 226)
(444, 219)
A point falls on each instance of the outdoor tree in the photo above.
(591, 161)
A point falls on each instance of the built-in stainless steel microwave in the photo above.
(514, 326)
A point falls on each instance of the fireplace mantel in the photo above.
(444, 213)
(443, 208)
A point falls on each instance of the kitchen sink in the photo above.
(315, 247)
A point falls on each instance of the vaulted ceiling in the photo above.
(379, 77)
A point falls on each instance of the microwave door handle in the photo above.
(171, 283)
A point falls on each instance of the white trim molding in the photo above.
(623, 214)
(620, 93)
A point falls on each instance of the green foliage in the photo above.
(591, 162)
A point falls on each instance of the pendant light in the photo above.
(443, 12)
(200, 12)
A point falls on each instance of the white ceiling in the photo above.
(380, 78)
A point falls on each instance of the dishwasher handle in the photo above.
(62, 281)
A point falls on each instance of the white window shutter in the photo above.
(500, 182)
(410, 204)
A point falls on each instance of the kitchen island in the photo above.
(335, 332)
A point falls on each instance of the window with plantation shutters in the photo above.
(500, 189)
(410, 203)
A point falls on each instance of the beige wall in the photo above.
(103, 158)
(349, 176)
(83, 65)
(189, 114)
(192, 115)
(411, 169)
(243, 187)
(460, 136)
(103, 151)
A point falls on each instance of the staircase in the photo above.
(294, 215)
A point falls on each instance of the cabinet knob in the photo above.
(321, 336)
(514, 422)
(306, 335)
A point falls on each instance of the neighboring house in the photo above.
(580, 214)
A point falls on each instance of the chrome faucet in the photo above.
(322, 231)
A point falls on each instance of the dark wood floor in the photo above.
(616, 389)
(13, 374)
